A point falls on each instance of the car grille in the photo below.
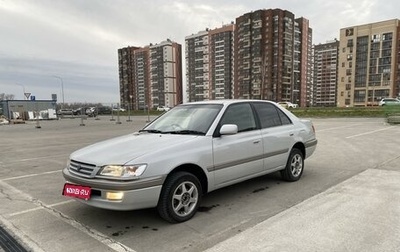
(82, 169)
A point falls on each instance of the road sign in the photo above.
(27, 95)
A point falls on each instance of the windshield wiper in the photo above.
(185, 132)
(151, 131)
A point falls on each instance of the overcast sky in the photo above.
(77, 40)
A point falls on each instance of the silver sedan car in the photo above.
(191, 150)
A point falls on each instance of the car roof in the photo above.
(227, 101)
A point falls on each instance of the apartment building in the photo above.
(221, 62)
(127, 75)
(272, 57)
(197, 59)
(141, 70)
(326, 58)
(369, 63)
(209, 64)
(166, 74)
(303, 59)
(150, 76)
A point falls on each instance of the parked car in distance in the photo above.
(89, 111)
(118, 109)
(288, 104)
(193, 149)
(77, 111)
(65, 112)
(389, 101)
(104, 110)
(163, 108)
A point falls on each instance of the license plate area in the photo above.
(77, 191)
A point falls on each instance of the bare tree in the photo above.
(5, 97)
(9, 97)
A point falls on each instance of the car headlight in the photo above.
(123, 171)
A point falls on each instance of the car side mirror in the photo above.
(228, 129)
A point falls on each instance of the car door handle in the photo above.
(256, 141)
(291, 134)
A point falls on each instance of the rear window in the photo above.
(270, 115)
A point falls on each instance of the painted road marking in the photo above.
(369, 132)
(40, 208)
(35, 158)
(335, 128)
(106, 240)
(30, 175)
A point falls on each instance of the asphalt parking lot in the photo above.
(347, 200)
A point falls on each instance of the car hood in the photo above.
(125, 149)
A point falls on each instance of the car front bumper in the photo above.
(128, 196)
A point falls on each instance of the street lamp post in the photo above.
(62, 89)
(129, 109)
(24, 108)
(23, 89)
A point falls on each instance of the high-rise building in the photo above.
(303, 47)
(166, 74)
(150, 76)
(221, 62)
(326, 58)
(126, 74)
(272, 52)
(209, 64)
(197, 76)
(369, 63)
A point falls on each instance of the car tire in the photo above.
(294, 166)
(180, 197)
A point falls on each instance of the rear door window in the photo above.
(270, 116)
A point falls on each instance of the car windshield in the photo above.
(193, 119)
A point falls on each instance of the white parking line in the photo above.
(335, 128)
(106, 240)
(369, 132)
(40, 208)
(30, 175)
(35, 158)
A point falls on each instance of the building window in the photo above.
(376, 38)
(359, 95)
(387, 36)
(350, 43)
(349, 32)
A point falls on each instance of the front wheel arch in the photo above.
(196, 171)
(180, 197)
